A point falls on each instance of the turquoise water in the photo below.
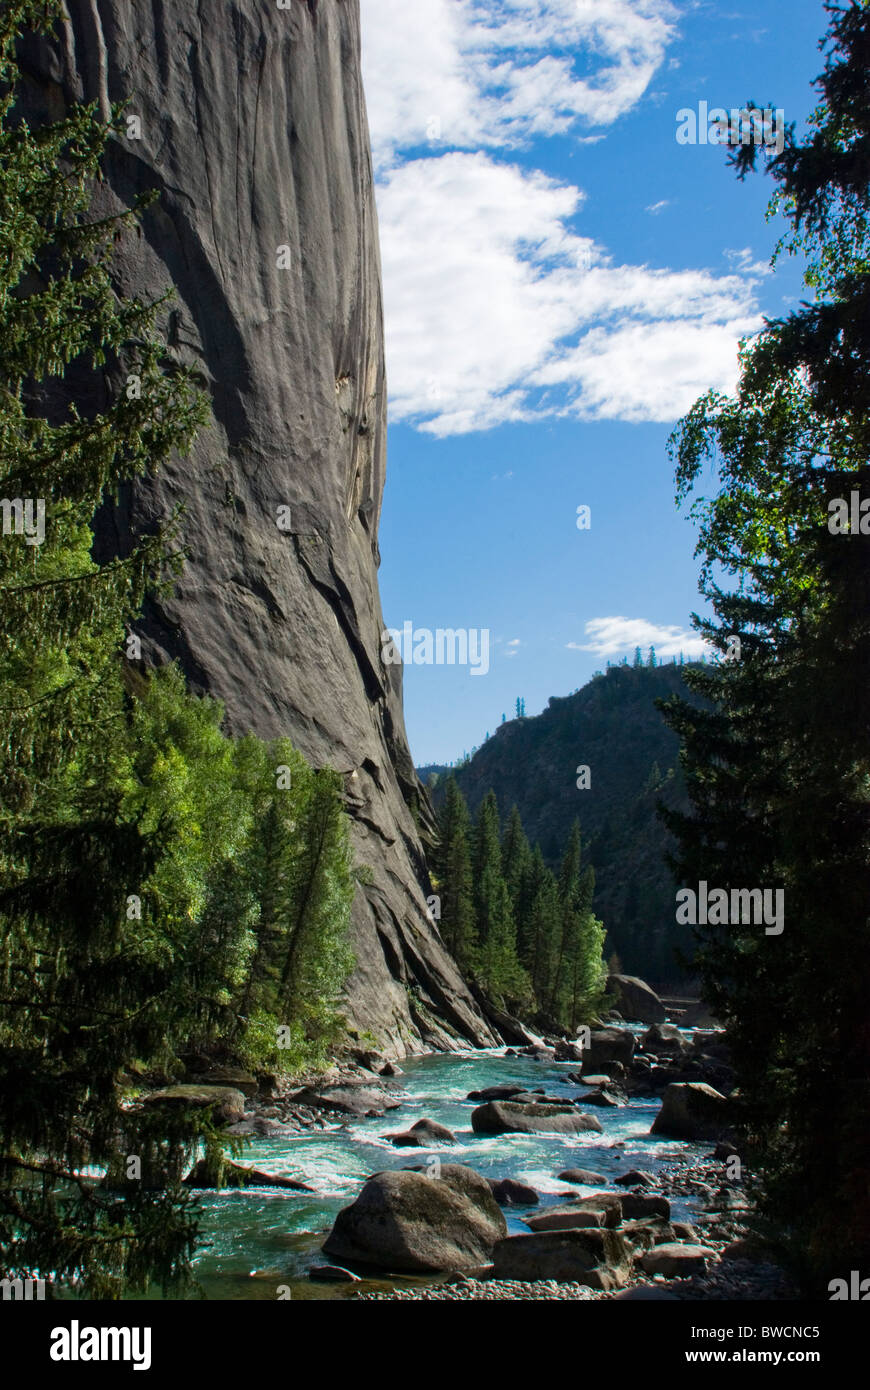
(260, 1240)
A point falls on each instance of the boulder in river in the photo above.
(609, 1045)
(608, 1100)
(567, 1052)
(667, 1038)
(239, 1175)
(583, 1177)
(506, 1117)
(410, 1223)
(599, 1259)
(678, 1261)
(635, 999)
(692, 1110)
(636, 1177)
(496, 1093)
(360, 1101)
(637, 1206)
(422, 1135)
(647, 1233)
(508, 1192)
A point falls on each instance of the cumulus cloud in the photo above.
(498, 309)
(619, 636)
(497, 72)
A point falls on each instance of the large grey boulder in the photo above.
(635, 1000)
(254, 134)
(598, 1258)
(666, 1038)
(609, 1045)
(692, 1110)
(507, 1117)
(408, 1223)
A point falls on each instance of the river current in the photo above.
(258, 1240)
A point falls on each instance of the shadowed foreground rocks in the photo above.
(408, 1223)
(254, 133)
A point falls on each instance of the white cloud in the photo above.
(496, 72)
(498, 311)
(655, 208)
(616, 636)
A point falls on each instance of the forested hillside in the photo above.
(612, 727)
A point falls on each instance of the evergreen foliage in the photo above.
(158, 892)
(778, 764)
(532, 945)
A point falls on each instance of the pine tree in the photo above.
(496, 965)
(452, 862)
(515, 854)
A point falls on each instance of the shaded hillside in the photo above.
(613, 727)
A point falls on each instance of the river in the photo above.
(258, 1240)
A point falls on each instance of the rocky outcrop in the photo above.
(240, 1175)
(406, 1222)
(252, 127)
(360, 1101)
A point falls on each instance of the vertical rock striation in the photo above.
(253, 129)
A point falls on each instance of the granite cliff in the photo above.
(250, 121)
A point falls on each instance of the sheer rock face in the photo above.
(253, 129)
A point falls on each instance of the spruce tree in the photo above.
(452, 863)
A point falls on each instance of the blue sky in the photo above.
(562, 279)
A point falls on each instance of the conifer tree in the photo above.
(452, 861)
(778, 782)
